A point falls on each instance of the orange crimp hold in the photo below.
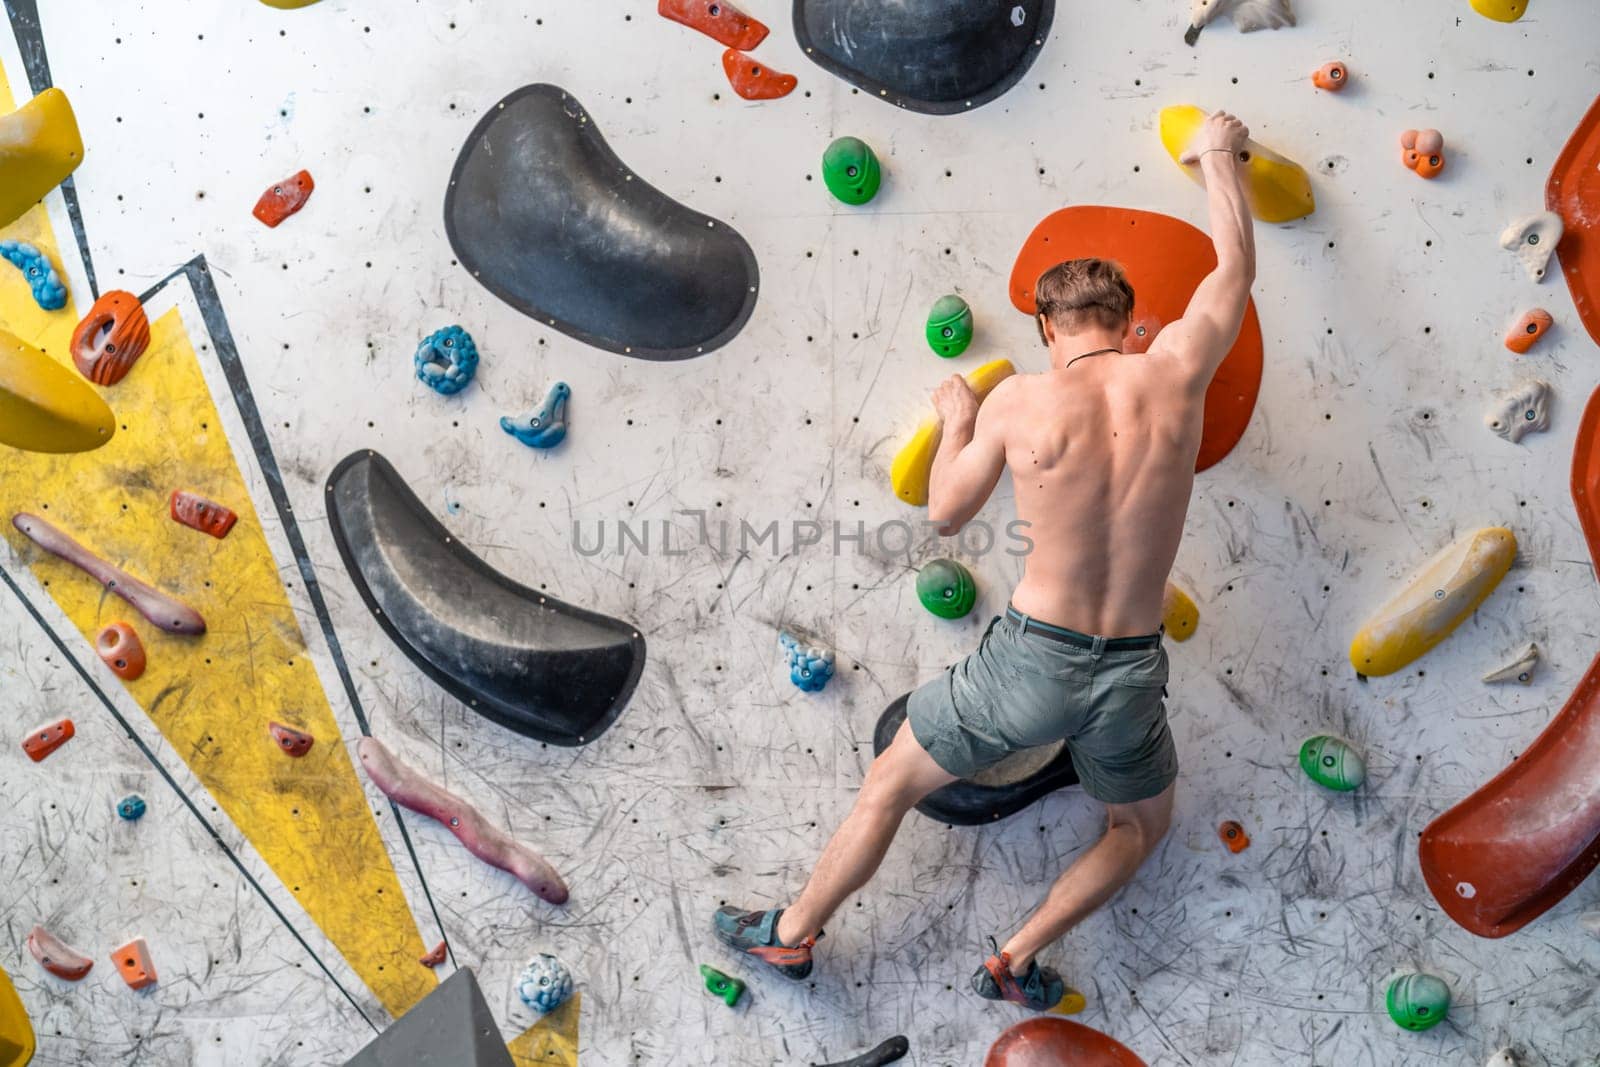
(133, 963)
(717, 19)
(1529, 330)
(1233, 836)
(293, 742)
(753, 79)
(119, 647)
(1423, 151)
(433, 958)
(284, 198)
(1331, 76)
(43, 740)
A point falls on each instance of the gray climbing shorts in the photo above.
(1030, 684)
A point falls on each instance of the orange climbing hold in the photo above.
(133, 963)
(1233, 836)
(753, 79)
(111, 338)
(119, 648)
(43, 740)
(1331, 76)
(294, 742)
(1423, 151)
(198, 513)
(284, 198)
(1573, 192)
(1165, 259)
(716, 19)
(1529, 330)
(433, 958)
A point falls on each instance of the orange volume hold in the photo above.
(1529, 330)
(753, 79)
(1331, 76)
(133, 963)
(43, 740)
(119, 647)
(1233, 836)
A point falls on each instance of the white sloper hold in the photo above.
(1504, 1058)
(1519, 669)
(1534, 238)
(1247, 15)
(1523, 410)
(1590, 921)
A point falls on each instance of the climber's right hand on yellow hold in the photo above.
(1221, 132)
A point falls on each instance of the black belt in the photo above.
(1083, 641)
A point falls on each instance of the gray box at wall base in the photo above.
(452, 1027)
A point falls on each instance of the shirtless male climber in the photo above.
(1101, 449)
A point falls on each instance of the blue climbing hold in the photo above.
(810, 667)
(446, 360)
(545, 983)
(546, 426)
(49, 291)
(131, 806)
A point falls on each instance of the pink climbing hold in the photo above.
(56, 956)
(489, 843)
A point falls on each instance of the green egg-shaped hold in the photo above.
(850, 170)
(1332, 762)
(950, 326)
(946, 588)
(1418, 1001)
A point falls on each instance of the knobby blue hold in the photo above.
(545, 983)
(446, 360)
(131, 806)
(810, 667)
(546, 425)
(49, 291)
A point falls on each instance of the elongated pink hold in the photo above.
(56, 956)
(166, 612)
(408, 788)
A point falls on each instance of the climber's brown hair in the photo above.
(1084, 292)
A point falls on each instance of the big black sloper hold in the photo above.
(526, 660)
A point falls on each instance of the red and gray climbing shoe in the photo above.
(1039, 989)
(756, 933)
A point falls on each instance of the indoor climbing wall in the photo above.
(582, 191)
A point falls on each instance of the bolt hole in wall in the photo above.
(366, 268)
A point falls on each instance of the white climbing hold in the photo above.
(1534, 238)
(1590, 921)
(1523, 410)
(1519, 669)
(1247, 15)
(1504, 1058)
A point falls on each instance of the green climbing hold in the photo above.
(946, 588)
(1332, 762)
(721, 985)
(850, 170)
(1418, 1001)
(950, 326)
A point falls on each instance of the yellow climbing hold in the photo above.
(39, 146)
(1179, 614)
(1279, 190)
(45, 406)
(908, 474)
(1071, 1003)
(288, 5)
(1501, 10)
(16, 1032)
(1436, 600)
(552, 1041)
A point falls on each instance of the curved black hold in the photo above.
(523, 659)
(888, 1052)
(966, 803)
(938, 57)
(542, 212)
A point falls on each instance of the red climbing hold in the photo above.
(716, 19)
(1332, 77)
(56, 956)
(1051, 1041)
(753, 79)
(1529, 330)
(1233, 836)
(43, 740)
(119, 647)
(1165, 259)
(133, 963)
(198, 513)
(284, 198)
(434, 958)
(294, 742)
(1573, 192)
(111, 338)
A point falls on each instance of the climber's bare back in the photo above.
(1102, 459)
